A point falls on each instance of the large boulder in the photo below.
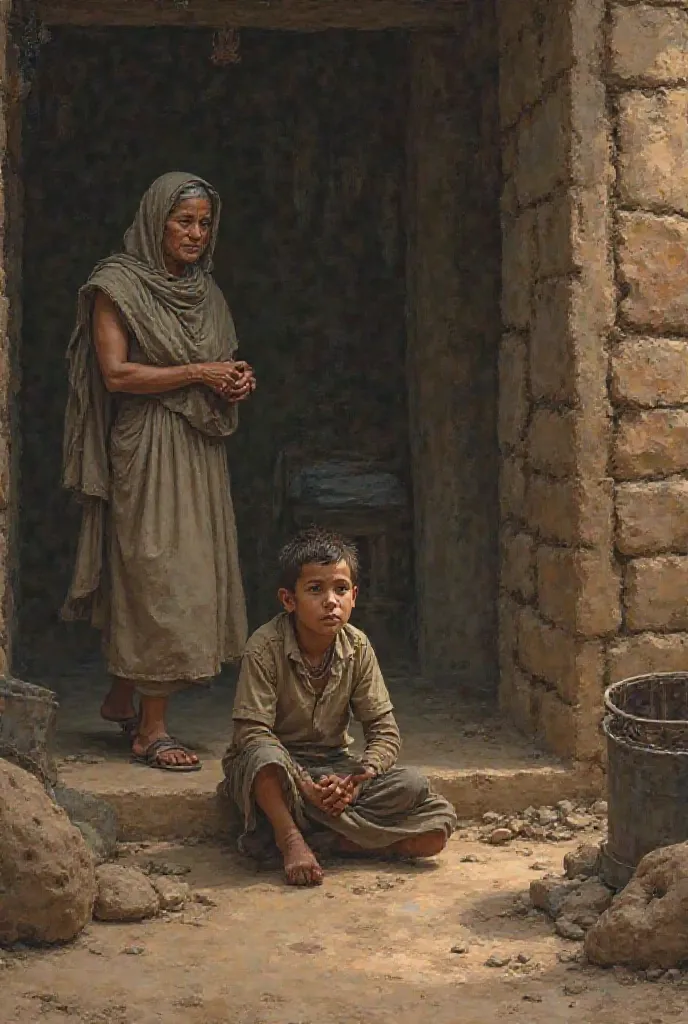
(47, 875)
(647, 923)
(124, 894)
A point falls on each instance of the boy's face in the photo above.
(323, 599)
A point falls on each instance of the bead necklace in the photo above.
(320, 670)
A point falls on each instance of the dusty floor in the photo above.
(372, 946)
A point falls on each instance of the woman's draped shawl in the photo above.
(173, 321)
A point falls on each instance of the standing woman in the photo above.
(153, 394)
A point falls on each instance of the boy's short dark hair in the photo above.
(315, 546)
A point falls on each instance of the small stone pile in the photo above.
(575, 901)
(644, 927)
(557, 824)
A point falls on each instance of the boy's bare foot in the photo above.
(425, 844)
(300, 864)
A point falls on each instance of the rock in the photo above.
(569, 929)
(471, 858)
(47, 879)
(171, 895)
(565, 807)
(498, 961)
(124, 894)
(539, 866)
(575, 988)
(673, 975)
(548, 894)
(134, 950)
(500, 836)
(586, 903)
(461, 947)
(647, 923)
(654, 974)
(101, 818)
(577, 822)
(599, 809)
(582, 862)
(491, 818)
(517, 826)
(523, 958)
(546, 816)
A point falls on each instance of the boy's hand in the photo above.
(340, 793)
(325, 799)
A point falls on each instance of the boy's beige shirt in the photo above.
(274, 689)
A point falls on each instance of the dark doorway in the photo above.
(305, 141)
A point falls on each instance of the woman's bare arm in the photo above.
(112, 348)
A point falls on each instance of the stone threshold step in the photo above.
(153, 804)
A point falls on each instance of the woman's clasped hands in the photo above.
(233, 381)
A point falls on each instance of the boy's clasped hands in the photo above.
(332, 793)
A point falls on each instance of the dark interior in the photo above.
(305, 141)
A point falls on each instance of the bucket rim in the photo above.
(618, 712)
(636, 745)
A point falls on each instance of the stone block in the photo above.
(552, 442)
(518, 269)
(573, 512)
(512, 17)
(569, 732)
(509, 611)
(655, 593)
(552, 355)
(513, 391)
(519, 80)
(556, 40)
(650, 372)
(651, 443)
(647, 652)
(516, 700)
(512, 488)
(544, 144)
(653, 267)
(555, 219)
(652, 517)
(579, 590)
(649, 44)
(575, 668)
(518, 564)
(653, 149)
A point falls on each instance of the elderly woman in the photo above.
(153, 393)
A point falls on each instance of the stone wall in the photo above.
(648, 88)
(560, 586)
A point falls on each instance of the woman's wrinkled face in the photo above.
(187, 234)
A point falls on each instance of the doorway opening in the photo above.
(359, 251)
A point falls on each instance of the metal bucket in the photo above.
(647, 747)
(28, 718)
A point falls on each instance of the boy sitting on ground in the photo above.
(288, 769)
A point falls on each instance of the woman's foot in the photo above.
(118, 706)
(161, 751)
(300, 864)
(152, 742)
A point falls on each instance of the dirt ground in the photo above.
(373, 945)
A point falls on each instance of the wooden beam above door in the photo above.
(286, 15)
